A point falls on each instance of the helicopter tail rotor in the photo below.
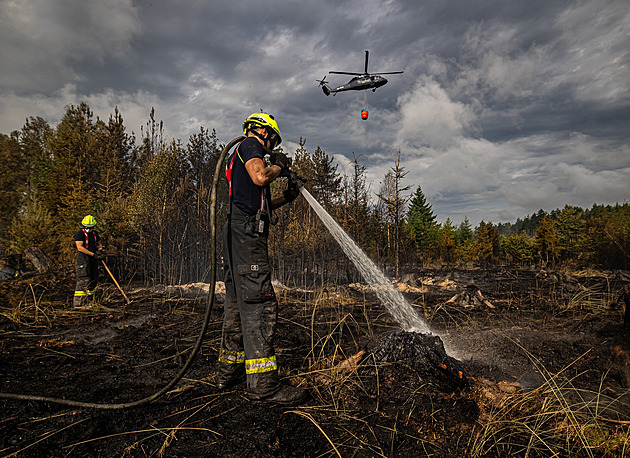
(324, 86)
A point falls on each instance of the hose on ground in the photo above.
(209, 305)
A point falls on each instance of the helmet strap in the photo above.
(262, 139)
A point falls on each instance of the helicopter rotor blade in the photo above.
(348, 73)
(386, 73)
(367, 54)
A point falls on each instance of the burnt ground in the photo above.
(546, 329)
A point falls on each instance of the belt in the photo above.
(236, 214)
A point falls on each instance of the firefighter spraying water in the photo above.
(251, 307)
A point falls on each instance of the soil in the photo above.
(541, 326)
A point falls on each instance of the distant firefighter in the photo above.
(88, 243)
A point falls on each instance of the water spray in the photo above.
(393, 299)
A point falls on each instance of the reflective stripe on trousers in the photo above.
(260, 365)
(231, 357)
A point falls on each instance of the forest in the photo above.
(150, 196)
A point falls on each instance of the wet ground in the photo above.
(390, 400)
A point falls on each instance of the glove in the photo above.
(281, 160)
(97, 256)
(291, 193)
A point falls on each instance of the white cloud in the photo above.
(428, 116)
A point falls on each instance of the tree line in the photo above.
(151, 197)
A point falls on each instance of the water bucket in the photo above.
(364, 114)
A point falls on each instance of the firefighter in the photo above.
(88, 244)
(251, 308)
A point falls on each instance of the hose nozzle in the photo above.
(295, 179)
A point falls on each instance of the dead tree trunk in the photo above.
(40, 261)
(625, 297)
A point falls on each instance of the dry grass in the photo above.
(555, 419)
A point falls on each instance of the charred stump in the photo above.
(425, 354)
(470, 297)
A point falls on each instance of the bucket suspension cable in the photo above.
(364, 110)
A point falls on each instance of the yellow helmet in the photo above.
(255, 120)
(88, 221)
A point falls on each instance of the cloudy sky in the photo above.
(505, 107)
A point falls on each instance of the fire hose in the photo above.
(202, 333)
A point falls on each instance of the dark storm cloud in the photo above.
(505, 107)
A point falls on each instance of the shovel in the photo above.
(119, 288)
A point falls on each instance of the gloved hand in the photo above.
(97, 256)
(281, 160)
(291, 193)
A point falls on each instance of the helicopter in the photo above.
(362, 81)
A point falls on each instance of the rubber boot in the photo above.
(80, 290)
(77, 301)
(229, 375)
(265, 387)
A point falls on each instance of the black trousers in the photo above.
(87, 278)
(251, 307)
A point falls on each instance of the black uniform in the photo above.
(87, 266)
(251, 308)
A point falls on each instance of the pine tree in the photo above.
(517, 248)
(326, 179)
(569, 224)
(487, 243)
(421, 222)
(605, 240)
(121, 155)
(546, 240)
(464, 236)
(35, 141)
(13, 183)
(400, 199)
(446, 242)
(358, 202)
(326, 189)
